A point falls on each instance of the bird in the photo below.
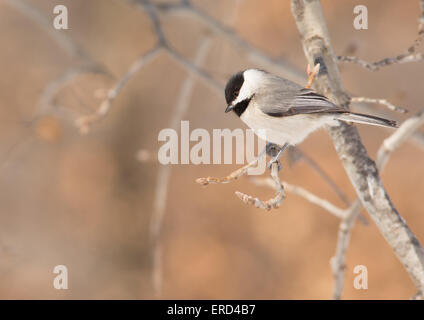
(283, 112)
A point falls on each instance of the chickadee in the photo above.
(281, 111)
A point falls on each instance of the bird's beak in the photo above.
(229, 108)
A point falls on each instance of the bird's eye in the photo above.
(236, 93)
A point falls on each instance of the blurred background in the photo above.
(86, 201)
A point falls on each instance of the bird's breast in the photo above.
(280, 130)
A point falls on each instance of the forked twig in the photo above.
(272, 203)
(84, 122)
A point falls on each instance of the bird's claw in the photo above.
(274, 160)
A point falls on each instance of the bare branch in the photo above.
(207, 78)
(417, 138)
(253, 54)
(272, 203)
(84, 122)
(163, 177)
(66, 43)
(338, 262)
(409, 56)
(51, 90)
(61, 38)
(359, 167)
(398, 137)
(375, 66)
(307, 195)
(232, 176)
(315, 166)
(383, 102)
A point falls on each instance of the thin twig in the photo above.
(398, 137)
(232, 176)
(307, 195)
(338, 262)
(61, 38)
(315, 166)
(253, 54)
(417, 138)
(51, 90)
(204, 76)
(272, 203)
(84, 122)
(375, 66)
(409, 56)
(383, 102)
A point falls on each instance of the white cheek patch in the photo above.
(252, 81)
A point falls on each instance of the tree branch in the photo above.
(398, 137)
(253, 54)
(84, 122)
(272, 203)
(61, 38)
(383, 102)
(305, 194)
(338, 262)
(361, 170)
(393, 142)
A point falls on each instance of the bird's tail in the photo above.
(366, 119)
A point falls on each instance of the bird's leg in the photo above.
(275, 152)
(312, 74)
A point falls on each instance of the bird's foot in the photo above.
(275, 152)
(275, 160)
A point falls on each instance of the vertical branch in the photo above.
(338, 262)
(361, 170)
(389, 145)
(161, 192)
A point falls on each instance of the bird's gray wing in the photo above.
(286, 98)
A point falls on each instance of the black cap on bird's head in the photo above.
(232, 89)
(241, 88)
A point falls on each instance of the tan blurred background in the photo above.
(85, 201)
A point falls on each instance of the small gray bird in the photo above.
(282, 112)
